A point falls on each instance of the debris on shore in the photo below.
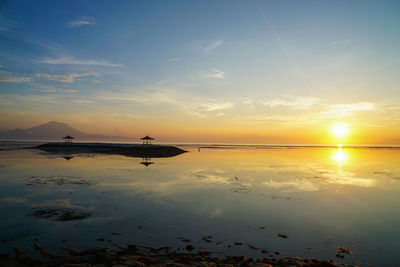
(138, 255)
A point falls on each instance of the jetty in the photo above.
(129, 150)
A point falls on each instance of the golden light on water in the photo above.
(340, 156)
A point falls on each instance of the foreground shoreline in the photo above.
(138, 255)
(133, 150)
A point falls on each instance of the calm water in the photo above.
(320, 197)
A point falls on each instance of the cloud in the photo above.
(80, 22)
(216, 74)
(340, 42)
(174, 59)
(214, 105)
(52, 89)
(295, 102)
(75, 61)
(4, 29)
(313, 111)
(198, 106)
(12, 78)
(213, 45)
(65, 78)
(344, 110)
(82, 101)
(6, 25)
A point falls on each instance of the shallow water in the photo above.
(321, 198)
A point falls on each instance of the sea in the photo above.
(252, 200)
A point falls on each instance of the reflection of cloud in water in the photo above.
(61, 203)
(58, 180)
(270, 178)
(347, 178)
(217, 212)
(361, 182)
(394, 175)
(293, 186)
(12, 200)
(203, 176)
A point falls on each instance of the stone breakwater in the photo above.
(129, 150)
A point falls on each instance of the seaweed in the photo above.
(61, 215)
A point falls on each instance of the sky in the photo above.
(260, 72)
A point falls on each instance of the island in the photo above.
(129, 150)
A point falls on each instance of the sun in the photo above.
(340, 130)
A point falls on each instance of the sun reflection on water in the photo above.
(340, 156)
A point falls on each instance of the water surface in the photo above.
(321, 198)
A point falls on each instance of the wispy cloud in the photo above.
(344, 110)
(295, 102)
(216, 74)
(215, 44)
(65, 78)
(6, 25)
(216, 105)
(52, 89)
(76, 61)
(82, 101)
(309, 111)
(340, 42)
(81, 21)
(13, 78)
(198, 106)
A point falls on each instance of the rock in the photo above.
(344, 250)
(283, 235)
(189, 248)
(204, 252)
(252, 247)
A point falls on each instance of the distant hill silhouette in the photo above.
(55, 131)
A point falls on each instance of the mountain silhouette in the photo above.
(55, 131)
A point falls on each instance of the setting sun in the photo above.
(340, 130)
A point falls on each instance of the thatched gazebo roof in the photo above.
(68, 137)
(147, 137)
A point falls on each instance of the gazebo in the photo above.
(68, 139)
(146, 140)
(146, 162)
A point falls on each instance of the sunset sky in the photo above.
(205, 71)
